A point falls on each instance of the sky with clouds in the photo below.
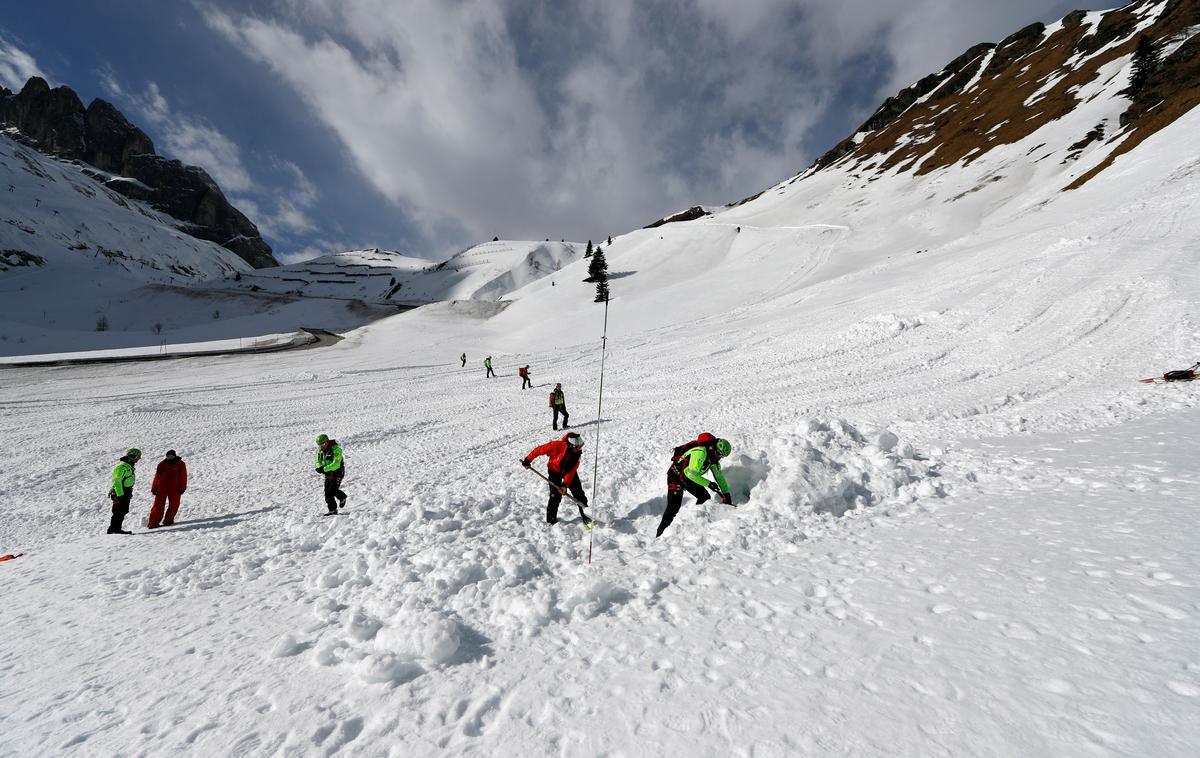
(429, 125)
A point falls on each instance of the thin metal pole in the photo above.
(599, 408)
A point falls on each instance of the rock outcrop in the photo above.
(995, 95)
(100, 136)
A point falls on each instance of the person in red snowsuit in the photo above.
(170, 482)
(562, 471)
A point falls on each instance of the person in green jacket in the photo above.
(691, 462)
(123, 477)
(487, 363)
(331, 465)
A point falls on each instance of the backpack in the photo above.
(1183, 375)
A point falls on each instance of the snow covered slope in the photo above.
(483, 272)
(85, 268)
(963, 528)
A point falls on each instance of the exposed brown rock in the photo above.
(953, 126)
(690, 214)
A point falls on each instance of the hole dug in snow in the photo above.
(831, 467)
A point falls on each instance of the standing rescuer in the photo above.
(123, 478)
(562, 471)
(688, 467)
(330, 463)
(558, 403)
(170, 482)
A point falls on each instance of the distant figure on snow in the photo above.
(170, 482)
(688, 467)
(123, 478)
(558, 403)
(524, 374)
(464, 360)
(562, 472)
(487, 363)
(330, 463)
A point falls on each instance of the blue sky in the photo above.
(429, 125)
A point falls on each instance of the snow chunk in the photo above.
(830, 467)
(427, 636)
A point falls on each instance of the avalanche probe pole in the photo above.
(599, 407)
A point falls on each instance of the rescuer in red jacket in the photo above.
(562, 471)
(170, 481)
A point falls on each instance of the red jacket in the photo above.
(170, 477)
(522, 372)
(564, 459)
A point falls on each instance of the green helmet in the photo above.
(133, 452)
(322, 439)
(723, 447)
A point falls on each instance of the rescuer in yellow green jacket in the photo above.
(331, 465)
(123, 478)
(688, 467)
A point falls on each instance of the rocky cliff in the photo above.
(57, 123)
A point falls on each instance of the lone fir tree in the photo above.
(1145, 63)
(588, 253)
(598, 273)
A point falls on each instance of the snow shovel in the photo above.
(587, 521)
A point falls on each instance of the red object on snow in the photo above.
(170, 481)
(170, 477)
(563, 458)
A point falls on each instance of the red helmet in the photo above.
(705, 438)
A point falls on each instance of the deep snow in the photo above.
(964, 528)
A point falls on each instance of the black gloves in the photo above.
(714, 487)
(525, 462)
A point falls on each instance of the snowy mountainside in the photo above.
(76, 256)
(1068, 82)
(482, 272)
(63, 223)
(963, 528)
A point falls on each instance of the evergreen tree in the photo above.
(1145, 63)
(610, 239)
(598, 273)
(588, 253)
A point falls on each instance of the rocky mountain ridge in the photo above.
(998, 94)
(55, 121)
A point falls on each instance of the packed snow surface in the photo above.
(963, 528)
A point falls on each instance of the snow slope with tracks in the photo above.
(963, 527)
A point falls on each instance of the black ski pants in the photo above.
(677, 484)
(333, 492)
(576, 490)
(489, 372)
(525, 382)
(120, 508)
(563, 410)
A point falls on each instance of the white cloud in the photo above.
(16, 65)
(280, 210)
(191, 140)
(580, 118)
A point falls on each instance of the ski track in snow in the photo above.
(964, 528)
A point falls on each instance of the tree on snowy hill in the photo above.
(598, 273)
(1145, 62)
(588, 253)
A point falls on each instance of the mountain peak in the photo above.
(100, 135)
(999, 94)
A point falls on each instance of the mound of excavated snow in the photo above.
(831, 467)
